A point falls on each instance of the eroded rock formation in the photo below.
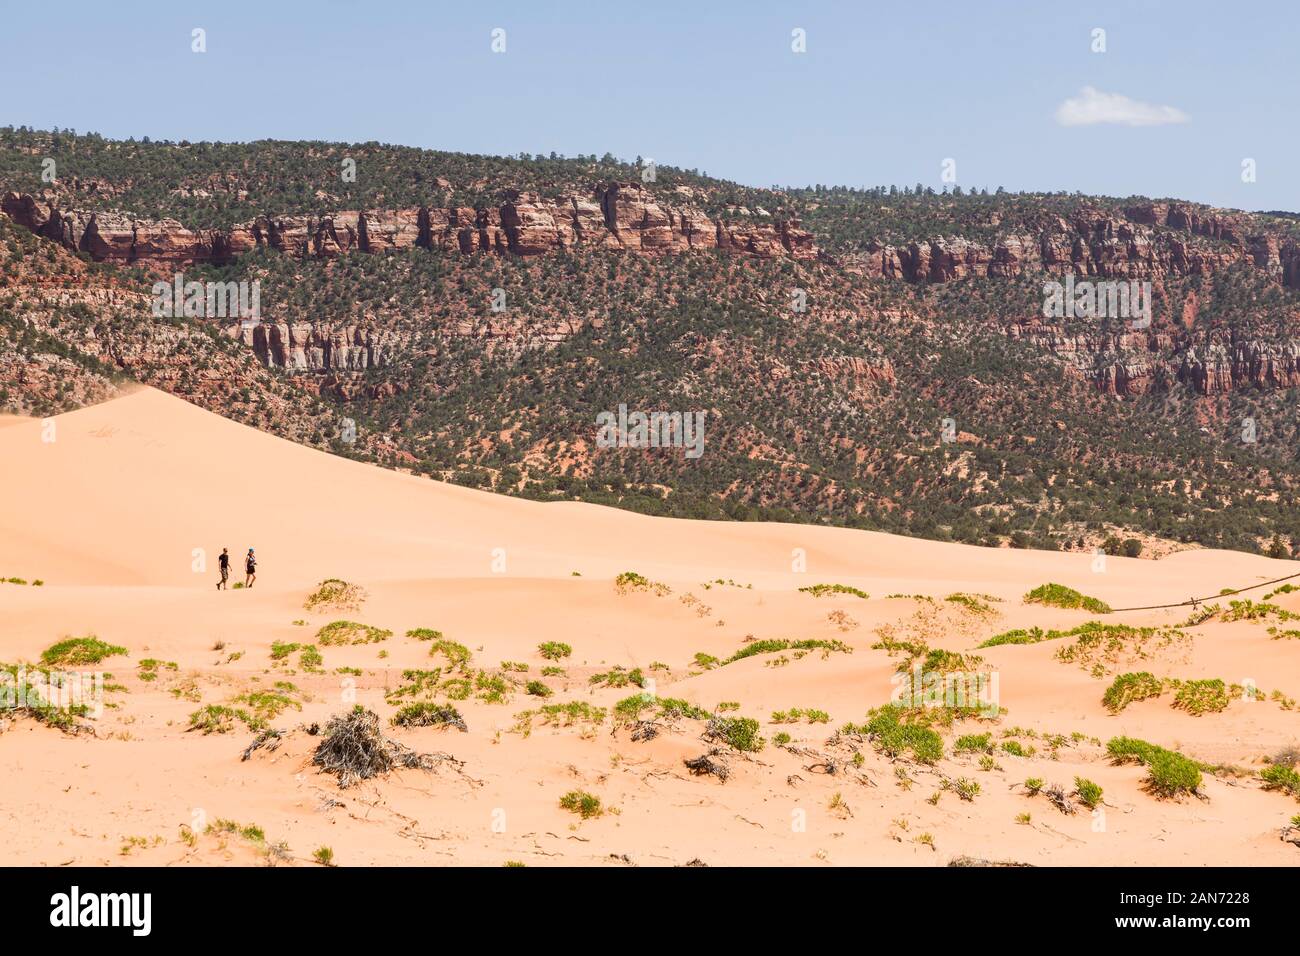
(619, 215)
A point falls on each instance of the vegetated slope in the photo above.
(922, 311)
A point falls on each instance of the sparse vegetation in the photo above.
(823, 590)
(774, 645)
(335, 594)
(630, 581)
(220, 719)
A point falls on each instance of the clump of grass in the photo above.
(774, 645)
(781, 739)
(975, 603)
(618, 677)
(1201, 696)
(1281, 778)
(630, 581)
(705, 661)
(740, 733)
(939, 661)
(1200, 615)
(822, 590)
(1169, 773)
(220, 719)
(250, 832)
(1033, 785)
(796, 714)
(584, 804)
(280, 650)
(30, 699)
(418, 683)
(554, 650)
(350, 632)
(1131, 687)
(492, 688)
(79, 651)
(323, 855)
(1021, 636)
(311, 660)
(1248, 610)
(335, 594)
(964, 787)
(974, 743)
(457, 655)
(267, 704)
(149, 667)
(536, 688)
(426, 713)
(567, 714)
(1058, 595)
(895, 731)
(1015, 748)
(1088, 792)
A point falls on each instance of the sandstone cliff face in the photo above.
(1136, 362)
(619, 215)
(303, 347)
(1151, 242)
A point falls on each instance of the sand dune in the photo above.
(117, 512)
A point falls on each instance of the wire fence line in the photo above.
(1193, 602)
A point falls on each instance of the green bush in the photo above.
(428, 714)
(1058, 595)
(584, 804)
(1169, 773)
(1201, 696)
(79, 651)
(974, 743)
(350, 632)
(742, 733)
(1128, 688)
(554, 650)
(896, 732)
(1278, 777)
(1088, 792)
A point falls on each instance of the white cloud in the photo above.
(1092, 106)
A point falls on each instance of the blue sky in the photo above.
(884, 93)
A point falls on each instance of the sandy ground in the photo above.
(122, 516)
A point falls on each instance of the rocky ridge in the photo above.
(617, 215)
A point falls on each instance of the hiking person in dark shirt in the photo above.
(250, 569)
(223, 563)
